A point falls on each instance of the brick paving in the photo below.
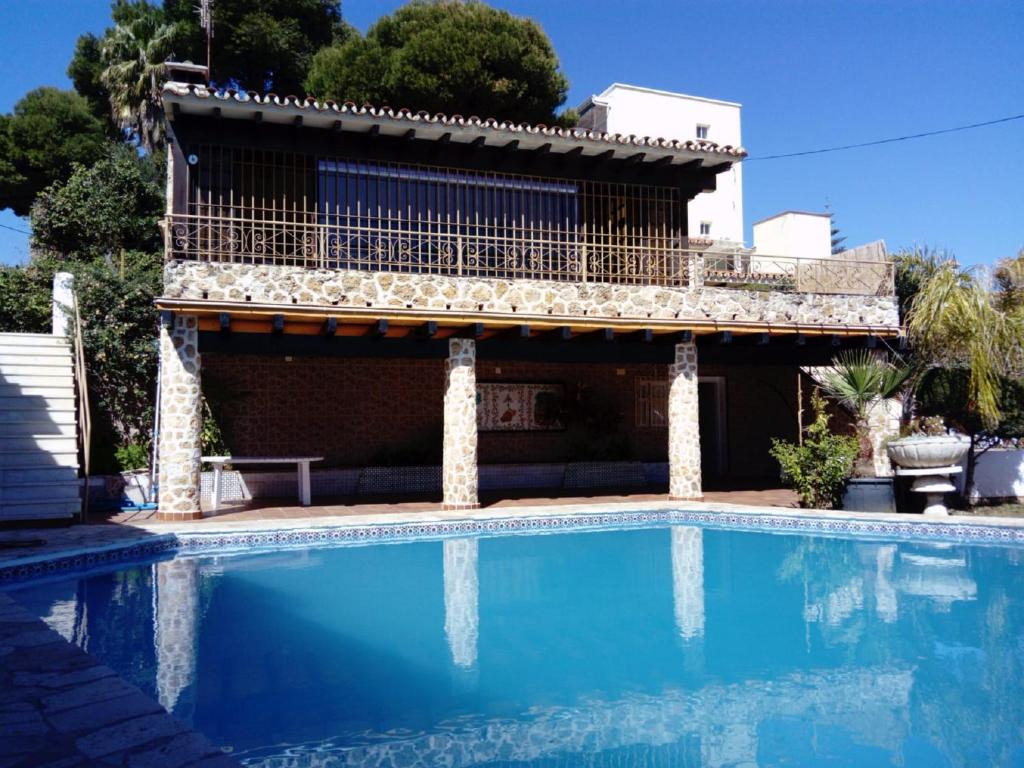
(60, 707)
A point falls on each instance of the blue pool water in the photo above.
(671, 646)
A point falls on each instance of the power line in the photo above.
(15, 229)
(888, 141)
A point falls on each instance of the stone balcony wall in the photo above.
(299, 286)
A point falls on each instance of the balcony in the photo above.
(511, 253)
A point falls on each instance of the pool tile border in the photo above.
(197, 541)
(87, 557)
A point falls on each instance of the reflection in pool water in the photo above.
(653, 646)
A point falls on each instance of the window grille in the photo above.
(651, 403)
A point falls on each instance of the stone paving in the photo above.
(60, 707)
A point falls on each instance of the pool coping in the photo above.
(161, 537)
(137, 727)
(62, 706)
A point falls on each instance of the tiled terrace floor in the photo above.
(288, 508)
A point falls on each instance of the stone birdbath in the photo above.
(930, 460)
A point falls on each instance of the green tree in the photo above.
(446, 56)
(47, 133)
(86, 73)
(955, 322)
(261, 45)
(836, 237)
(1009, 280)
(967, 342)
(912, 270)
(101, 225)
(119, 328)
(102, 209)
(133, 53)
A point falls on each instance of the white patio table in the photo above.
(302, 462)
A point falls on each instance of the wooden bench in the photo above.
(302, 462)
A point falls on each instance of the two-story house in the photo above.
(374, 285)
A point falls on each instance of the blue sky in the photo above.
(809, 74)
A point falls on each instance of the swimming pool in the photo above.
(655, 645)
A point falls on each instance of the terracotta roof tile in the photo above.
(404, 114)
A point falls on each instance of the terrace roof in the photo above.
(200, 100)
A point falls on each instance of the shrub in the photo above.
(819, 468)
(26, 297)
(132, 456)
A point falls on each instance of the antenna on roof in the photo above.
(205, 9)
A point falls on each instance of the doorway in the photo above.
(711, 412)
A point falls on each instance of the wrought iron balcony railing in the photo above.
(516, 254)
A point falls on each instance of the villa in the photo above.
(372, 286)
(409, 303)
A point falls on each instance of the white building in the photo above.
(630, 109)
(801, 234)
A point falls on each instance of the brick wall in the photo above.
(610, 386)
(351, 411)
(363, 411)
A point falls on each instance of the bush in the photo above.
(26, 297)
(132, 456)
(819, 468)
(119, 335)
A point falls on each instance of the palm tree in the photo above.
(133, 53)
(957, 322)
(858, 379)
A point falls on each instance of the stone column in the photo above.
(176, 584)
(883, 424)
(459, 470)
(683, 426)
(180, 419)
(461, 600)
(688, 580)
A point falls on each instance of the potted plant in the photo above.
(865, 383)
(819, 466)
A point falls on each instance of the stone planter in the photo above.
(928, 452)
(930, 461)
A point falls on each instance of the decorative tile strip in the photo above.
(82, 559)
(199, 542)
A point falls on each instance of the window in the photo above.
(705, 228)
(651, 403)
(703, 130)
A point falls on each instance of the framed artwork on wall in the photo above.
(519, 407)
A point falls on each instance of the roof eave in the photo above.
(182, 98)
